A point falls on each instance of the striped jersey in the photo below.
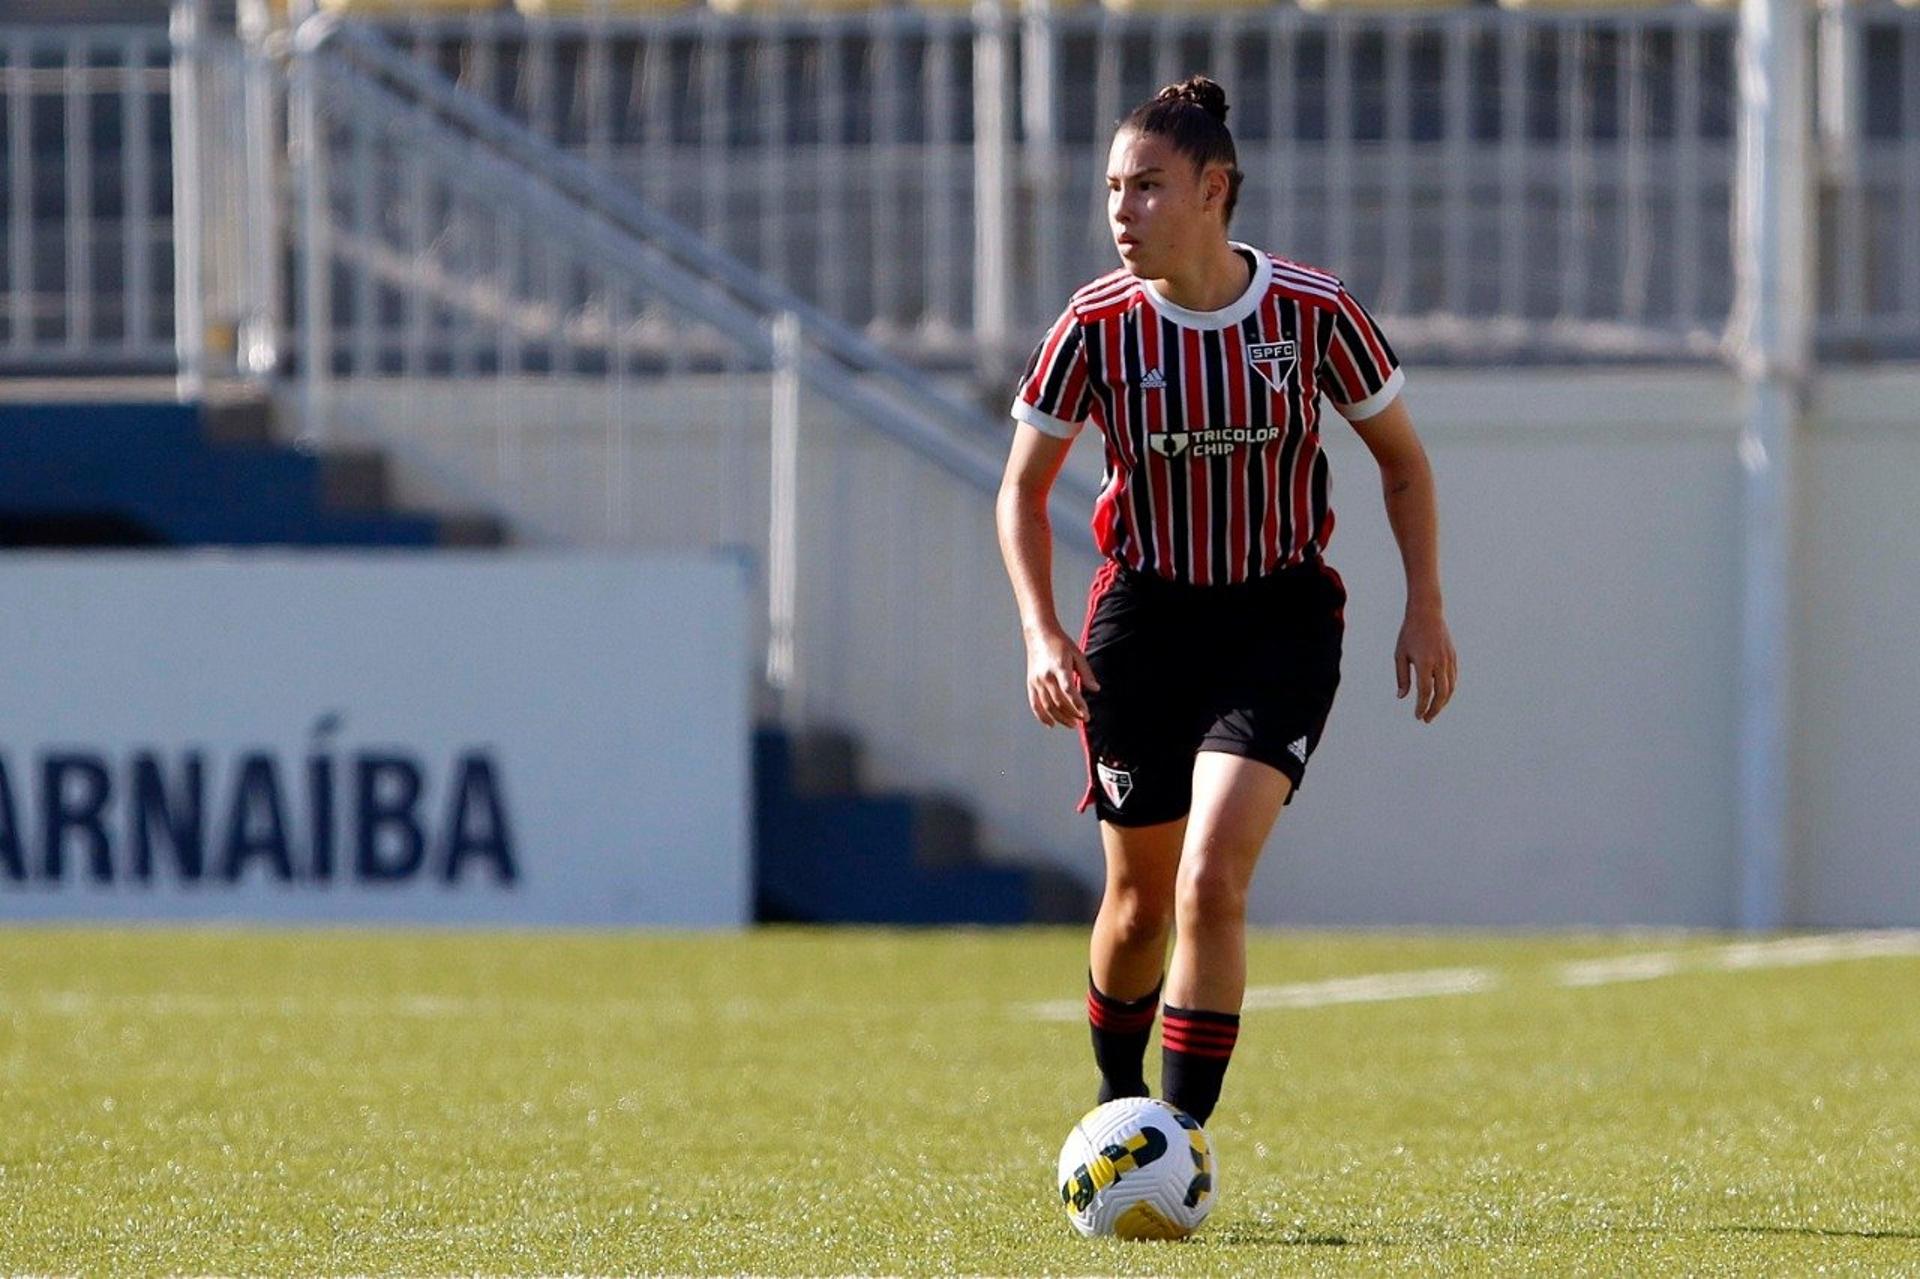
(1214, 470)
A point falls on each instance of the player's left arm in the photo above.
(1424, 658)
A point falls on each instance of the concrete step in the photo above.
(473, 530)
(355, 479)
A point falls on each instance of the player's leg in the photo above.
(1140, 743)
(1236, 801)
(1129, 950)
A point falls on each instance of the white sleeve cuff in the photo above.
(1045, 423)
(1378, 400)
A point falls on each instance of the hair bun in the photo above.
(1201, 92)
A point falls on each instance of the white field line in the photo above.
(1369, 988)
(1785, 952)
(1373, 989)
(1617, 968)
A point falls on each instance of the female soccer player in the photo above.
(1211, 650)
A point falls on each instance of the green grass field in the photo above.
(881, 1103)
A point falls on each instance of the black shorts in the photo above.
(1248, 669)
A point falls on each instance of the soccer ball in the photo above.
(1138, 1169)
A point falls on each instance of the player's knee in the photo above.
(1209, 893)
(1137, 916)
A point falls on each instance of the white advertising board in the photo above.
(396, 737)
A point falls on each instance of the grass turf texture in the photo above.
(848, 1102)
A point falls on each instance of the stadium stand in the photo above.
(159, 474)
(829, 853)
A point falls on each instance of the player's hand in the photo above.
(1056, 672)
(1424, 660)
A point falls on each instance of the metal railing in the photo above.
(500, 312)
(86, 204)
(440, 236)
(1497, 183)
(1868, 219)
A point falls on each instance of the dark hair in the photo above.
(1193, 116)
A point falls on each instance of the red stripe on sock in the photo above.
(1201, 1038)
(1107, 1015)
(1228, 1033)
(1203, 1027)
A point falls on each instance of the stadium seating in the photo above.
(140, 474)
(826, 853)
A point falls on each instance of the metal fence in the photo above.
(1499, 185)
(86, 272)
(505, 319)
(1869, 215)
(1503, 185)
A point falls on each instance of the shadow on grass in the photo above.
(1275, 1236)
(1816, 1232)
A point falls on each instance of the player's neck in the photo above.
(1213, 281)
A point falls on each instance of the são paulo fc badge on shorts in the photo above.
(1273, 361)
(1116, 782)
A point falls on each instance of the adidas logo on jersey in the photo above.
(1299, 750)
(1155, 380)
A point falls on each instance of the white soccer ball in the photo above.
(1137, 1168)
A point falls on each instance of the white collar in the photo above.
(1233, 312)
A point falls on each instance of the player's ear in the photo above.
(1213, 187)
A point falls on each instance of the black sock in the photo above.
(1120, 1032)
(1195, 1046)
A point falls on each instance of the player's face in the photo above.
(1155, 204)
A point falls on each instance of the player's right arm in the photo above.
(1056, 668)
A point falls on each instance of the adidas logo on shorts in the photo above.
(1299, 750)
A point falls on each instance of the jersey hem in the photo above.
(1044, 422)
(1378, 400)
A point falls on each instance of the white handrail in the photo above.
(877, 388)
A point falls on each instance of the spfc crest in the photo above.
(1168, 443)
(1273, 361)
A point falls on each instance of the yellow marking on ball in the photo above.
(1144, 1221)
(1131, 1160)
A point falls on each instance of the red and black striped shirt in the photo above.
(1214, 470)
